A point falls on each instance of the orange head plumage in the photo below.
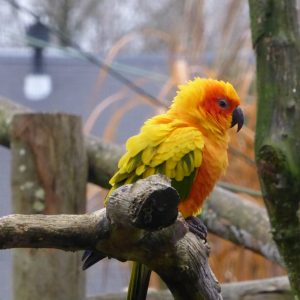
(211, 100)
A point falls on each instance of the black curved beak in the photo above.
(237, 118)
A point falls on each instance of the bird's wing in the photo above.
(161, 148)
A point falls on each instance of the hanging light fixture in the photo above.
(37, 84)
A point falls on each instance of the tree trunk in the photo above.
(276, 40)
(48, 176)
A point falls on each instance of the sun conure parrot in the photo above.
(189, 145)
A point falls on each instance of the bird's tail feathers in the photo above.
(139, 282)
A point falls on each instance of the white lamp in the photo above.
(37, 84)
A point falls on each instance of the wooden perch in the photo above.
(128, 229)
(229, 215)
(277, 288)
(240, 221)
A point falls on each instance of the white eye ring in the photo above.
(223, 103)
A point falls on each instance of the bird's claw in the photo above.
(197, 227)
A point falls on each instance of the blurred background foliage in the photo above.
(197, 38)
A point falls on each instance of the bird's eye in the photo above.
(223, 103)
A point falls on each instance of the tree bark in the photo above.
(48, 176)
(277, 288)
(7, 110)
(102, 160)
(275, 35)
(241, 222)
(134, 226)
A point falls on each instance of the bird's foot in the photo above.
(197, 227)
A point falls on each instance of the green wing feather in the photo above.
(176, 153)
(184, 186)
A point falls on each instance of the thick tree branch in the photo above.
(65, 232)
(227, 215)
(277, 288)
(7, 110)
(102, 160)
(128, 229)
(240, 221)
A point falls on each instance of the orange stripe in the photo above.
(213, 165)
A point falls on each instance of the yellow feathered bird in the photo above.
(188, 144)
